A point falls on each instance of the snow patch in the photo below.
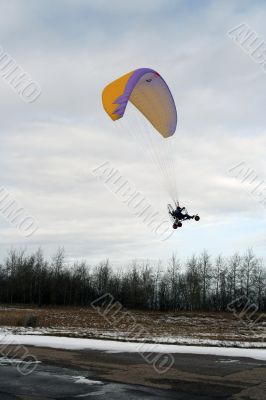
(130, 347)
(83, 380)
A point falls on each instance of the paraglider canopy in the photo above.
(149, 93)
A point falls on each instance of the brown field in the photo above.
(171, 327)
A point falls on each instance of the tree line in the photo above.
(199, 283)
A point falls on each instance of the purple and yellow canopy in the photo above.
(149, 93)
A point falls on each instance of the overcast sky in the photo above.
(49, 147)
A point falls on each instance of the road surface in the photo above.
(69, 375)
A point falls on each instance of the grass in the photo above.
(88, 322)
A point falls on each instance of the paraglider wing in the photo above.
(149, 93)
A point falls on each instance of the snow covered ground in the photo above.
(76, 332)
(112, 346)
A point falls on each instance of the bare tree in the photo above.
(197, 284)
(205, 269)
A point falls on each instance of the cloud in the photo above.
(48, 148)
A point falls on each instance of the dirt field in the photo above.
(180, 327)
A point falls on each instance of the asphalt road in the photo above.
(71, 375)
(50, 382)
